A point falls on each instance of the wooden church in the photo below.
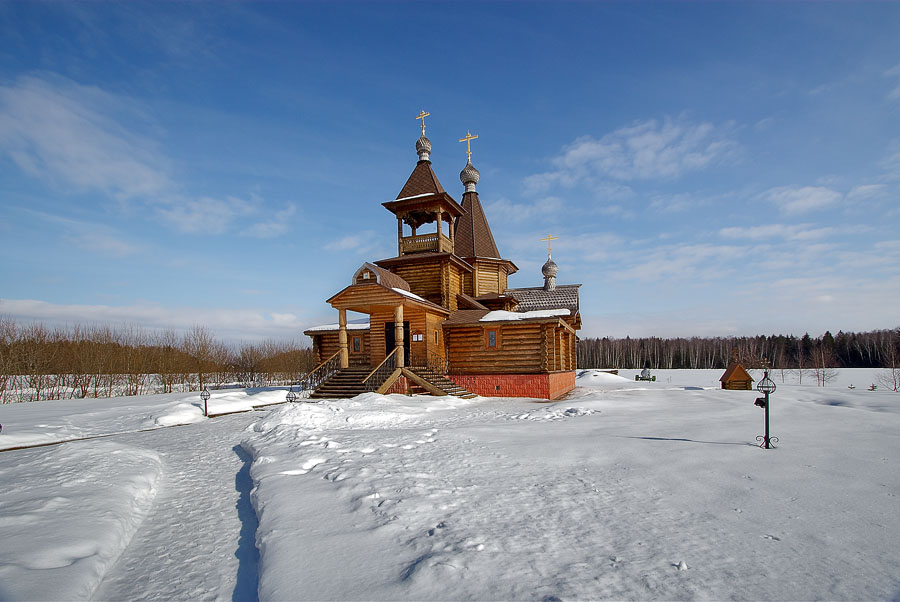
(441, 317)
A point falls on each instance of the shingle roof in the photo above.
(533, 299)
(383, 277)
(463, 299)
(473, 234)
(421, 181)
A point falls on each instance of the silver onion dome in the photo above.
(550, 268)
(423, 148)
(469, 176)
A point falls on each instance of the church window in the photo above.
(491, 339)
(356, 344)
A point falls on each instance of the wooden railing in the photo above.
(430, 360)
(322, 372)
(377, 376)
(425, 242)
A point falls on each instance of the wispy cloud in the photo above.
(236, 324)
(894, 74)
(83, 138)
(793, 200)
(359, 243)
(646, 150)
(90, 236)
(55, 129)
(784, 231)
(506, 210)
(278, 225)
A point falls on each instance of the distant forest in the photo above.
(875, 349)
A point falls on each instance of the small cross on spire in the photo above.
(549, 239)
(422, 116)
(468, 140)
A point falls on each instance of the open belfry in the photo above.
(441, 317)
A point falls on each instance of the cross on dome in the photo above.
(549, 238)
(468, 140)
(422, 116)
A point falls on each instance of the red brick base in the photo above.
(401, 386)
(549, 385)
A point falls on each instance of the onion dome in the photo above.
(550, 268)
(469, 176)
(423, 148)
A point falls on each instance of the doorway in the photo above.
(390, 340)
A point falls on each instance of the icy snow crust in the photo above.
(624, 490)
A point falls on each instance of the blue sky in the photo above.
(710, 169)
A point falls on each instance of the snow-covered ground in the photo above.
(624, 490)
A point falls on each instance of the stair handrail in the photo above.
(381, 371)
(433, 361)
(322, 372)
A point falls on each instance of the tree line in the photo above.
(874, 349)
(38, 362)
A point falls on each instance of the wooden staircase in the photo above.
(438, 381)
(346, 382)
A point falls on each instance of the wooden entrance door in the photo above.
(390, 340)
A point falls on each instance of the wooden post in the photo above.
(342, 338)
(452, 243)
(398, 335)
(399, 236)
(440, 218)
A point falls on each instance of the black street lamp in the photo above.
(765, 386)
(204, 395)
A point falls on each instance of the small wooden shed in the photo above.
(736, 378)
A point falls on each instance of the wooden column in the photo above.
(398, 335)
(440, 218)
(342, 338)
(452, 245)
(399, 236)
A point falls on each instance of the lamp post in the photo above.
(204, 395)
(291, 396)
(766, 386)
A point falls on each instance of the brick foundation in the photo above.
(549, 385)
(401, 386)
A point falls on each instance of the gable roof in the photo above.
(735, 372)
(421, 181)
(382, 277)
(534, 299)
(473, 237)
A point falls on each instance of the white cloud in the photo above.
(505, 210)
(274, 227)
(894, 72)
(55, 129)
(793, 232)
(233, 324)
(645, 150)
(206, 215)
(865, 191)
(794, 200)
(360, 243)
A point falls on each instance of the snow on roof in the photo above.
(350, 326)
(506, 316)
(415, 196)
(409, 294)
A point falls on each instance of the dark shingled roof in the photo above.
(533, 299)
(466, 302)
(421, 181)
(384, 277)
(472, 232)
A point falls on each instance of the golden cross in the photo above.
(549, 239)
(422, 116)
(468, 140)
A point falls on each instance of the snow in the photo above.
(362, 325)
(624, 490)
(64, 420)
(500, 315)
(67, 514)
(409, 294)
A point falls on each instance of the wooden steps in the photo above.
(346, 382)
(441, 382)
